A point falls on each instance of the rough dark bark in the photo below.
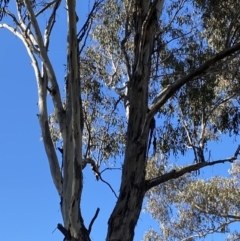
(126, 212)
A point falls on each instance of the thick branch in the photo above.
(42, 83)
(43, 115)
(195, 167)
(169, 91)
(46, 135)
(48, 66)
(13, 31)
(72, 140)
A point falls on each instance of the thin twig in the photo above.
(50, 23)
(110, 168)
(109, 186)
(46, 7)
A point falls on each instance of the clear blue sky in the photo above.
(29, 207)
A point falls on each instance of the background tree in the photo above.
(138, 74)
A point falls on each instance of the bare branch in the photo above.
(50, 22)
(110, 168)
(87, 125)
(48, 66)
(46, 7)
(88, 22)
(3, 6)
(21, 17)
(12, 30)
(43, 116)
(195, 167)
(84, 32)
(92, 221)
(85, 39)
(237, 152)
(95, 169)
(28, 41)
(13, 17)
(23, 29)
(109, 186)
(46, 135)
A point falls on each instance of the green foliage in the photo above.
(208, 106)
(207, 206)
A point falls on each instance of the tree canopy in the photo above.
(145, 81)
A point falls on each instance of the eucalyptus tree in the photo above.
(144, 80)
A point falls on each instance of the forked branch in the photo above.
(48, 66)
(97, 173)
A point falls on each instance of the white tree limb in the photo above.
(48, 66)
(43, 115)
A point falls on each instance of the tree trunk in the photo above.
(127, 210)
(72, 140)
